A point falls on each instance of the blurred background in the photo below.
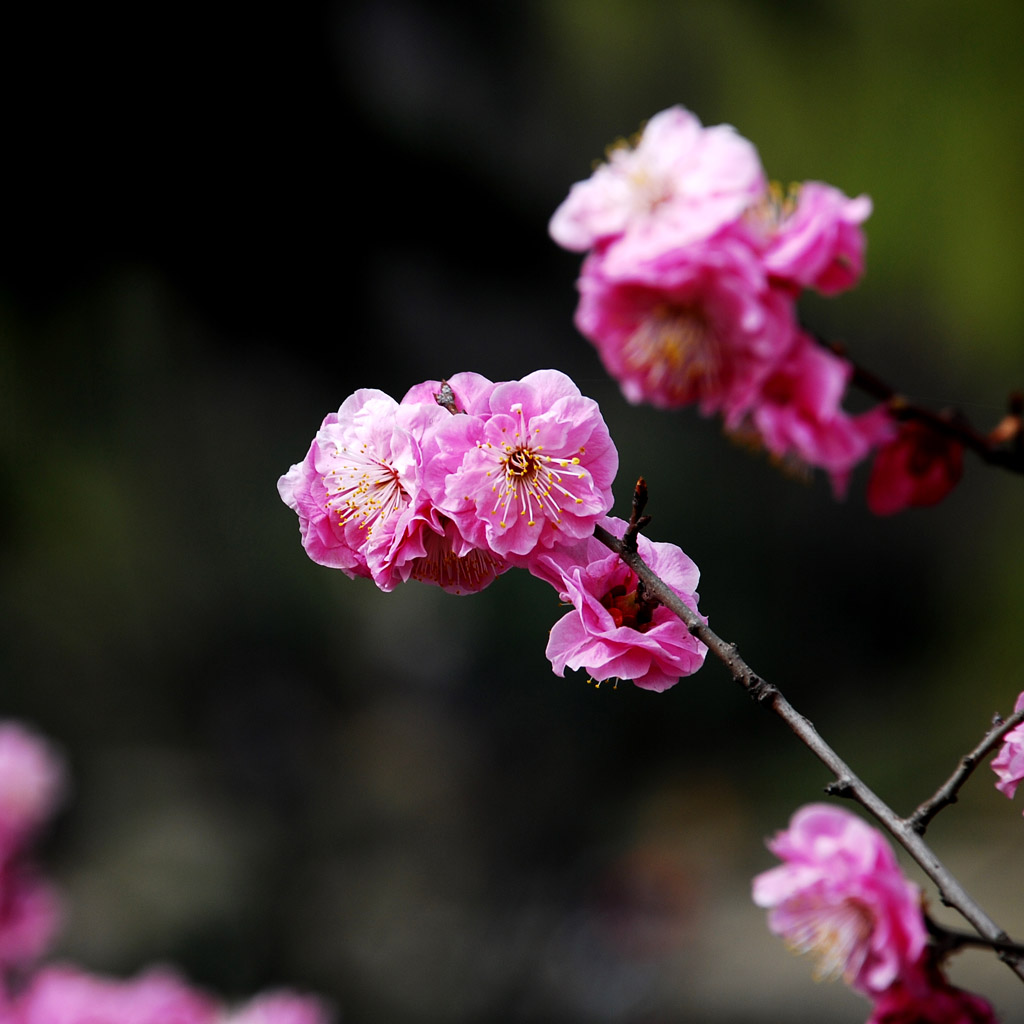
(218, 224)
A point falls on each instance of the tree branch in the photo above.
(846, 782)
(1003, 446)
(946, 794)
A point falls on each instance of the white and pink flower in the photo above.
(840, 895)
(679, 184)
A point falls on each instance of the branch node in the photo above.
(759, 690)
(446, 398)
(842, 786)
(637, 520)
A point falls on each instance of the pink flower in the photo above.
(68, 995)
(360, 497)
(30, 914)
(928, 998)
(1008, 764)
(815, 239)
(279, 1008)
(533, 469)
(840, 895)
(32, 783)
(614, 631)
(798, 414)
(679, 184)
(701, 326)
(918, 467)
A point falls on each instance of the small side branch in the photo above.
(948, 940)
(1003, 446)
(946, 794)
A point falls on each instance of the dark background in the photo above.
(217, 225)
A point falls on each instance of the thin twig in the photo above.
(846, 783)
(1003, 447)
(946, 794)
(948, 940)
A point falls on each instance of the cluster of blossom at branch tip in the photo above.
(840, 896)
(33, 780)
(688, 290)
(465, 478)
(1008, 764)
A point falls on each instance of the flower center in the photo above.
(630, 608)
(363, 488)
(532, 484)
(442, 566)
(677, 352)
(838, 935)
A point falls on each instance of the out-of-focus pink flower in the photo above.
(68, 995)
(815, 239)
(30, 914)
(32, 782)
(679, 184)
(613, 631)
(927, 998)
(918, 467)
(840, 895)
(1008, 764)
(279, 1008)
(700, 327)
(798, 414)
(536, 469)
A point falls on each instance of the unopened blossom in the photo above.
(814, 237)
(279, 1008)
(69, 995)
(841, 897)
(798, 414)
(679, 184)
(918, 467)
(926, 997)
(702, 328)
(32, 783)
(1008, 764)
(615, 630)
(532, 469)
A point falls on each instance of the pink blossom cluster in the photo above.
(694, 265)
(463, 479)
(840, 896)
(32, 783)
(1008, 764)
(33, 779)
(69, 995)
